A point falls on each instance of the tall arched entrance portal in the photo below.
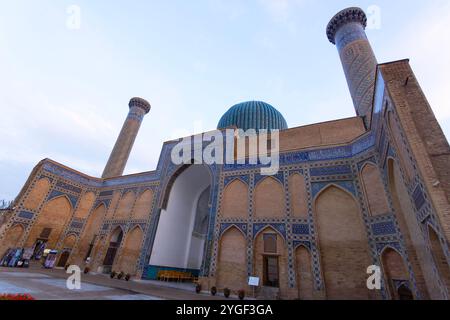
(183, 223)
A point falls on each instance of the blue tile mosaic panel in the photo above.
(329, 171)
(419, 198)
(280, 227)
(383, 228)
(55, 193)
(26, 215)
(300, 229)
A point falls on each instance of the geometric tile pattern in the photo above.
(329, 171)
(55, 193)
(26, 214)
(319, 186)
(322, 167)
(302, 229)
(383, 228)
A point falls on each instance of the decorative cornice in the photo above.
(353, 14)
(141, 103)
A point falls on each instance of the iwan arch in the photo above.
(369, 190)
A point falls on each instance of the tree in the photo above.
(4, 204)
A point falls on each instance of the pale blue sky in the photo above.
(64, 93)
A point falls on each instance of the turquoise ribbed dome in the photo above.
(253, 115)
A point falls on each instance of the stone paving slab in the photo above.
(132, 297)
(12, 288)
(54, 287)
(25, 274)
(61, 284)
(47, 287)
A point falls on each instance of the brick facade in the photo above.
(369, 190)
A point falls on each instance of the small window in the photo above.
(45, 234)
(270, 243)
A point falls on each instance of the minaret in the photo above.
(119, 156)
(346, 31)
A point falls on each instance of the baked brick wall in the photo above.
(343, 245)
(37, 194)
(125, 207)
(235, 201)
(269, 199)
(232, 264)
(304, 273)
(143, 205)
(408, 226)
(374, 190)
(130, 252)
(424, 135)
(54, 215)
(439, 258)
(394, 269)
(298, 196)
(11, 239)
(92, 228)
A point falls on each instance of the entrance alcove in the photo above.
(183, 223)
(113, 246)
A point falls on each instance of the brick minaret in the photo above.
(119, 156)
(346, 31)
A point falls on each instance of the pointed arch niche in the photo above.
(303, 271)
(270, 259)
(374, 190)
(298, 196)
(130, 251)
(143, 205)
(269, 199)
(439, 257)
(405, 215)
(125, 206)
(395, 273)
(37, 194)
(344, 247)
(235, 200)
(51, 222)
(231, 262)
(12, 238)
(90, 234)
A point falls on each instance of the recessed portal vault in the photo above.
(183, 224)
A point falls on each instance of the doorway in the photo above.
(114, 244)
(63, 259)
(271, 271)
(39, 247)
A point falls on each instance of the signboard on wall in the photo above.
(253, 281)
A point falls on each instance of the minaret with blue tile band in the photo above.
(122, 149)
(346, 31)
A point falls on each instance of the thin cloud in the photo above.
(423, 39)
(280, 10)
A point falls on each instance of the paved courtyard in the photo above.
(46, 287)
(45, 284)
